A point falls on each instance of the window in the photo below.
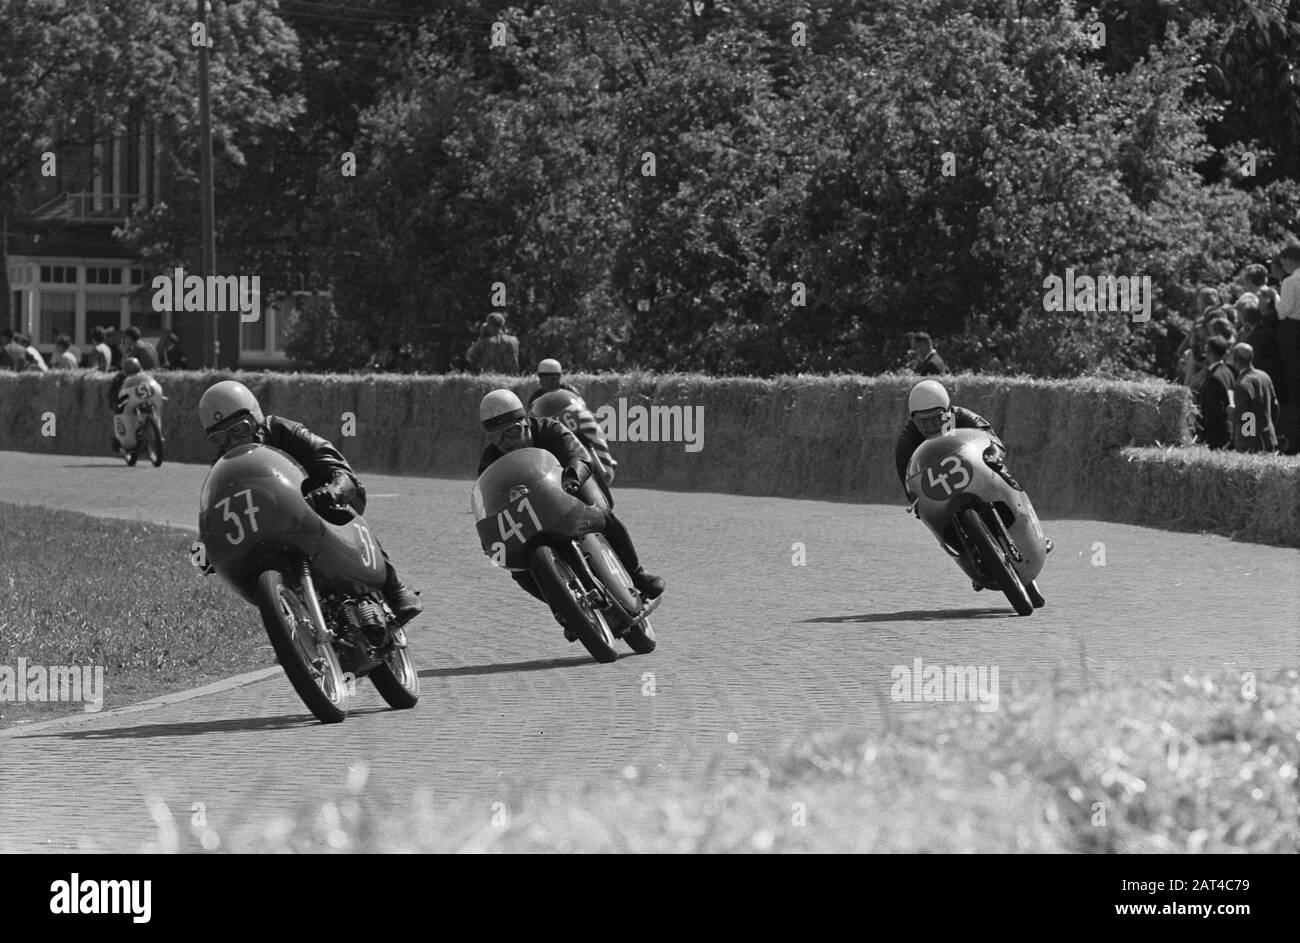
(58, 315)
(102, 310)
(137, 276)
(103, 276)
(59, 274)
(143, 315)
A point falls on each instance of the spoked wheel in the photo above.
(153, 444)
(561, 588)
(1035, 596)
(313, 668)
(396, 679)
(996, 562)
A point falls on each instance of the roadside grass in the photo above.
(1191, 765)
(82, 591)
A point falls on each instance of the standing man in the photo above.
(103, 357)
(1255, 413)
(1287, 267)
(1215, 398)
(64, 358)
(928, 362)
(495, 351)
(142, 351)
(15, 354)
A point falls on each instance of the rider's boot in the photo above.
(651, 586)
(404, 602)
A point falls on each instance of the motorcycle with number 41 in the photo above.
(138, 426)
(526, 521)
(317, 580)
(981, 515)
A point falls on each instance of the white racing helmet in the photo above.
(225, 399)
(549, 367)
(927, 395)
(500, 408)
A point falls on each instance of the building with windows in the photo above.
(67, 274)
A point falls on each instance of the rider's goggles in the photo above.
(509, 433)
(243, 428)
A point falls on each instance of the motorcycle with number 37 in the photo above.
(316, 580)
(981, 515)
(527, 521)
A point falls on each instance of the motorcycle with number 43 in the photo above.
(981, 515)
(527, 521)
(138, 426)
(317, 580)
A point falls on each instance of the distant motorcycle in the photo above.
(138, 427)
(981, 515)
(569, 408)
(318, 582)
(527, 521)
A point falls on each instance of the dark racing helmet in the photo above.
(131, 366)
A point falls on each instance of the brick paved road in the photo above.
(750, 645)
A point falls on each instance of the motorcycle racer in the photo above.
(549, 374)
(931, 413)
(231, 417)
(129, 376)
(509, 427)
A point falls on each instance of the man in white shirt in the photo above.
(1287, 264)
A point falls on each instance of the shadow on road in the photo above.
(198, 728)
(508, 667)
(922, 615)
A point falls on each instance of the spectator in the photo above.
(1215, 425)
(1221, 326)
(1255, 408)
(495, 351)
(170, 353)
(64, 358)
(928, 362)
(33, 362)
(549, 374)
(143, 351)
(101, 356)
(15, 354)
(1288, 344)
(1255, 278)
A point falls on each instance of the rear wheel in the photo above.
(561, 587)
(996, 562)
(313, 668)
(153, 444)
(396, 680)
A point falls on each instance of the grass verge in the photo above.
(1197, 764)
(81, 591)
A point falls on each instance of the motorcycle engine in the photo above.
(365, 615)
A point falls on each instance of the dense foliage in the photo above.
(742, 188)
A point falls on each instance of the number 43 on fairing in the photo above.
(950, 477)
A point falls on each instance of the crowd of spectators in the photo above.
(108, 348)
(1241, 359)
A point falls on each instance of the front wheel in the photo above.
(153, 444)
(396, 680)
(641, 640)
(313, 668)
(996, 562)
(561, 588)
(1035, 596)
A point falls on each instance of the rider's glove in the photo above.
(569, 484)
(324, 498)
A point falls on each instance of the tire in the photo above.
(555, 578)
(153, 443)
(284, 615)
(996, 563)
(396, 680)
(641, 641)
(131, 456)
(1035, 597)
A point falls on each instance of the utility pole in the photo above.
(209, 265)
